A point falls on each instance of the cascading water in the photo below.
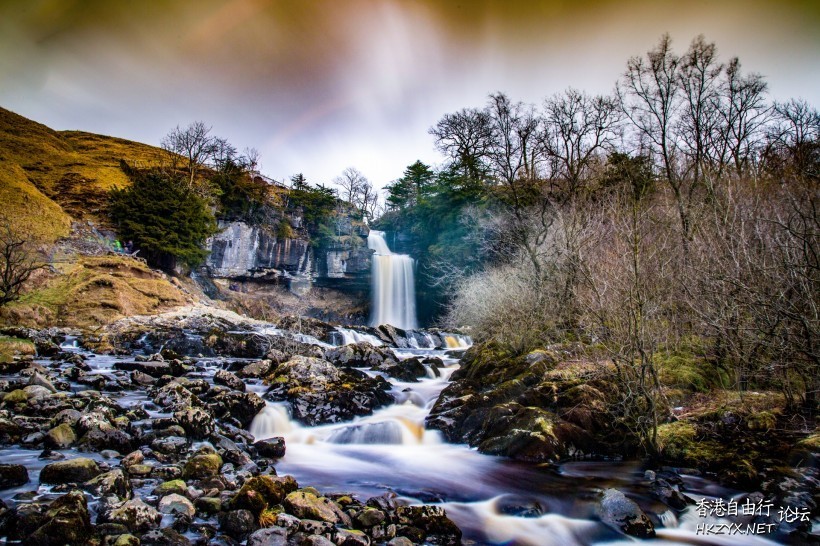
(394, 293)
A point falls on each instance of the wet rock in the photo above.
(135, 515)
(176, 504)
(408, 370)
(197, 422)
(208, 505)
(135, 457)
(170, 444)
(433, 521)
(360, 355)
(238, 524)
(204, 465)
(261, 492)
(352, 537)
(305, 504)
(224, 377)
(77, 470)
(320, 393)
(126, 539)
(272, 536)
(41, 380)
(242, 406)
(60, 437)
(664, 492)
(169, 487)
(154, 369)
(369, 517)
(257, 369)
(271, 447)
(13, 475)
(174, 397)
(164, 537)
(67, 521)
(624, 514)
(114, 482)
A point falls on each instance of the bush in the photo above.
(166, 221)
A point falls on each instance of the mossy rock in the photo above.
(17, 396)
(261, 492)
(77, 470)
(169, 487)
(201, 466)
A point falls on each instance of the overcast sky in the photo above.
(318, 86)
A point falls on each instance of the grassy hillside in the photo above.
(50, 177)
(95, 290)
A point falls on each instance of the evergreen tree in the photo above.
(166, 220)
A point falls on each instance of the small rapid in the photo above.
(493, 500)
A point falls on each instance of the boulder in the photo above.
(305, 504)
(67, 521)
(176, 504)
(135, 515)
(624, 514)
(204, 465)
(433, 522)
(271, 447)
(242, 406)
(224, 377)
(77, 470)
(60, 437)
(114, 482)
(197, 422)
(257, 369)
(360, 355)
(271, 536)
(320, 393)
(238, 524)
(13, 475)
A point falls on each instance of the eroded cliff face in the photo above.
(243, 252)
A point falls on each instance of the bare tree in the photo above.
(352, 183)
(577, 127)
(17, 262)
(699, 79)
(194, 143)
(649, 95)
(743, 114)
(464, 137)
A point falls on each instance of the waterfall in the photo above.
(394, 294)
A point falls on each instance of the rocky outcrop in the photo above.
(531, 407)
(319, 392)
(240, 250)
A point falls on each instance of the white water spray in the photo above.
(394, 293)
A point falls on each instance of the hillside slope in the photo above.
(49, 178)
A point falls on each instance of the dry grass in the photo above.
(49, 177)
(94, 291)
(11, 347)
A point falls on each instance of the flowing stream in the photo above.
(493, 500)
(394, 292)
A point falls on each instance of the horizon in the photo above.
(318, 87)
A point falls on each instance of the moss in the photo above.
(17, 396)
(675, 440)
(811, 443)
(764, 420)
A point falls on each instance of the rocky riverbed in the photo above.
(152, 447)
(204, 427)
